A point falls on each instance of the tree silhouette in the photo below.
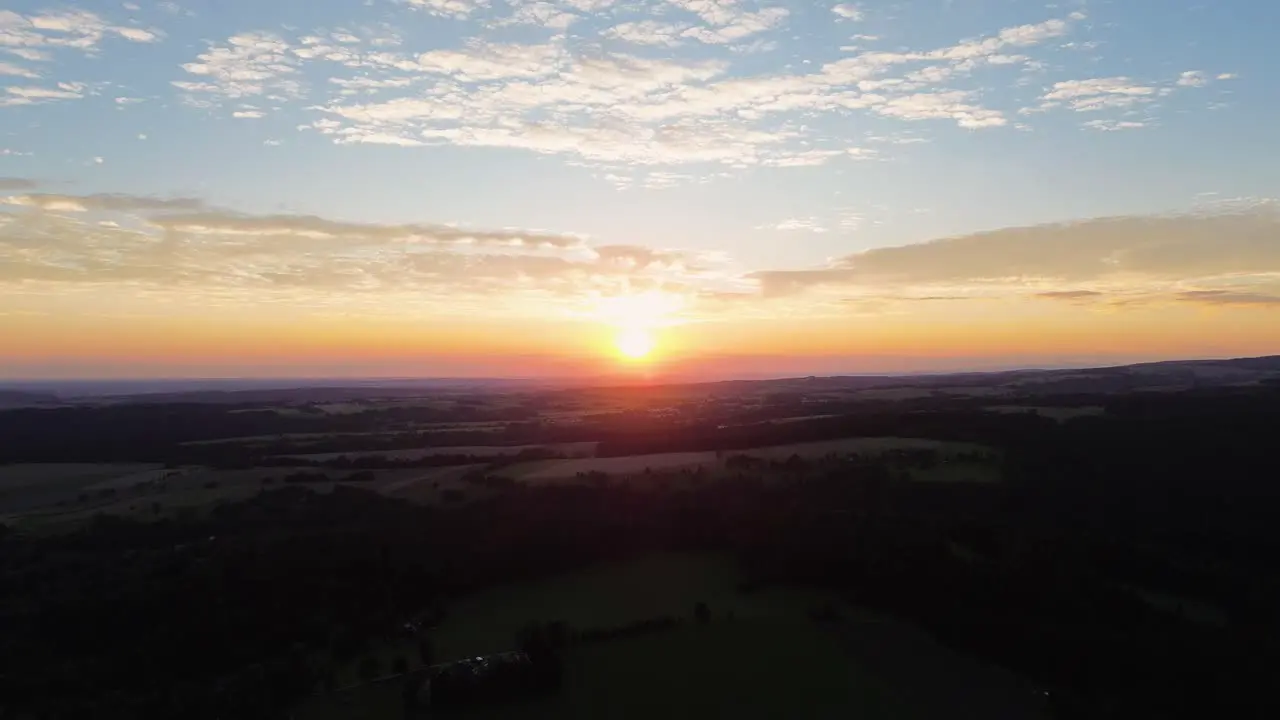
(702, 613)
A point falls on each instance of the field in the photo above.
(1061, 414)
(45, 497)
(582, 449)
(54, 498)
(24, 488)
(631, 465)
(760, 657)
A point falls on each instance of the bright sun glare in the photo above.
(636, 320)
(634, 343)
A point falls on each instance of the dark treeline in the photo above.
(960, 425)
(242, 613)
(156, 433)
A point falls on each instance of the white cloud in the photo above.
(1228, 76)
(647, 32)
(538, 13)
(1098, 94)
(16, 71)
(1193, 78)
(604, 107)
(589, 5)
(952, 104)
(487, 61)
(248, 114)
(137, 34)
(29, 95)
(1112, 125)
(848, 11)
(738, 26)
(32, 36)
(449, 8)
(808, 224)
(248, 65)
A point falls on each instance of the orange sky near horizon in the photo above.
(956, 334)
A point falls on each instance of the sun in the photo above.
(637, 322)
(634, 343)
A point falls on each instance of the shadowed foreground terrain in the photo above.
(822, 557)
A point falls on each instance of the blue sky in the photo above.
(1017, 165)
(759, 137)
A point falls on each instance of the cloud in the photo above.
(737, 26)
(101, 202)
(792, 224)
(647, 32)
(1226, 297)
(1128, 250)
(1193, 78)
(34, 37)
(611, 108)
(33, 95)
(163, 246)
(1099, 93)
(16, 184)
(1070, 295)
(539, 14)
(15, 71)
(248, 65)
(488, 61)
(449, 8)
(1113, 125)
(847, 11)
(138, 34)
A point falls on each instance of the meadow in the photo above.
(760, 656)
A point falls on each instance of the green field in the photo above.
(760, 657)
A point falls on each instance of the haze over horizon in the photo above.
(525, 188)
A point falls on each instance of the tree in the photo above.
(702, 613)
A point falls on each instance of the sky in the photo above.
(239, 188)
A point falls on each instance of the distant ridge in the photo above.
(1111, 378)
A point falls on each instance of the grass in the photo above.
(770, 661)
